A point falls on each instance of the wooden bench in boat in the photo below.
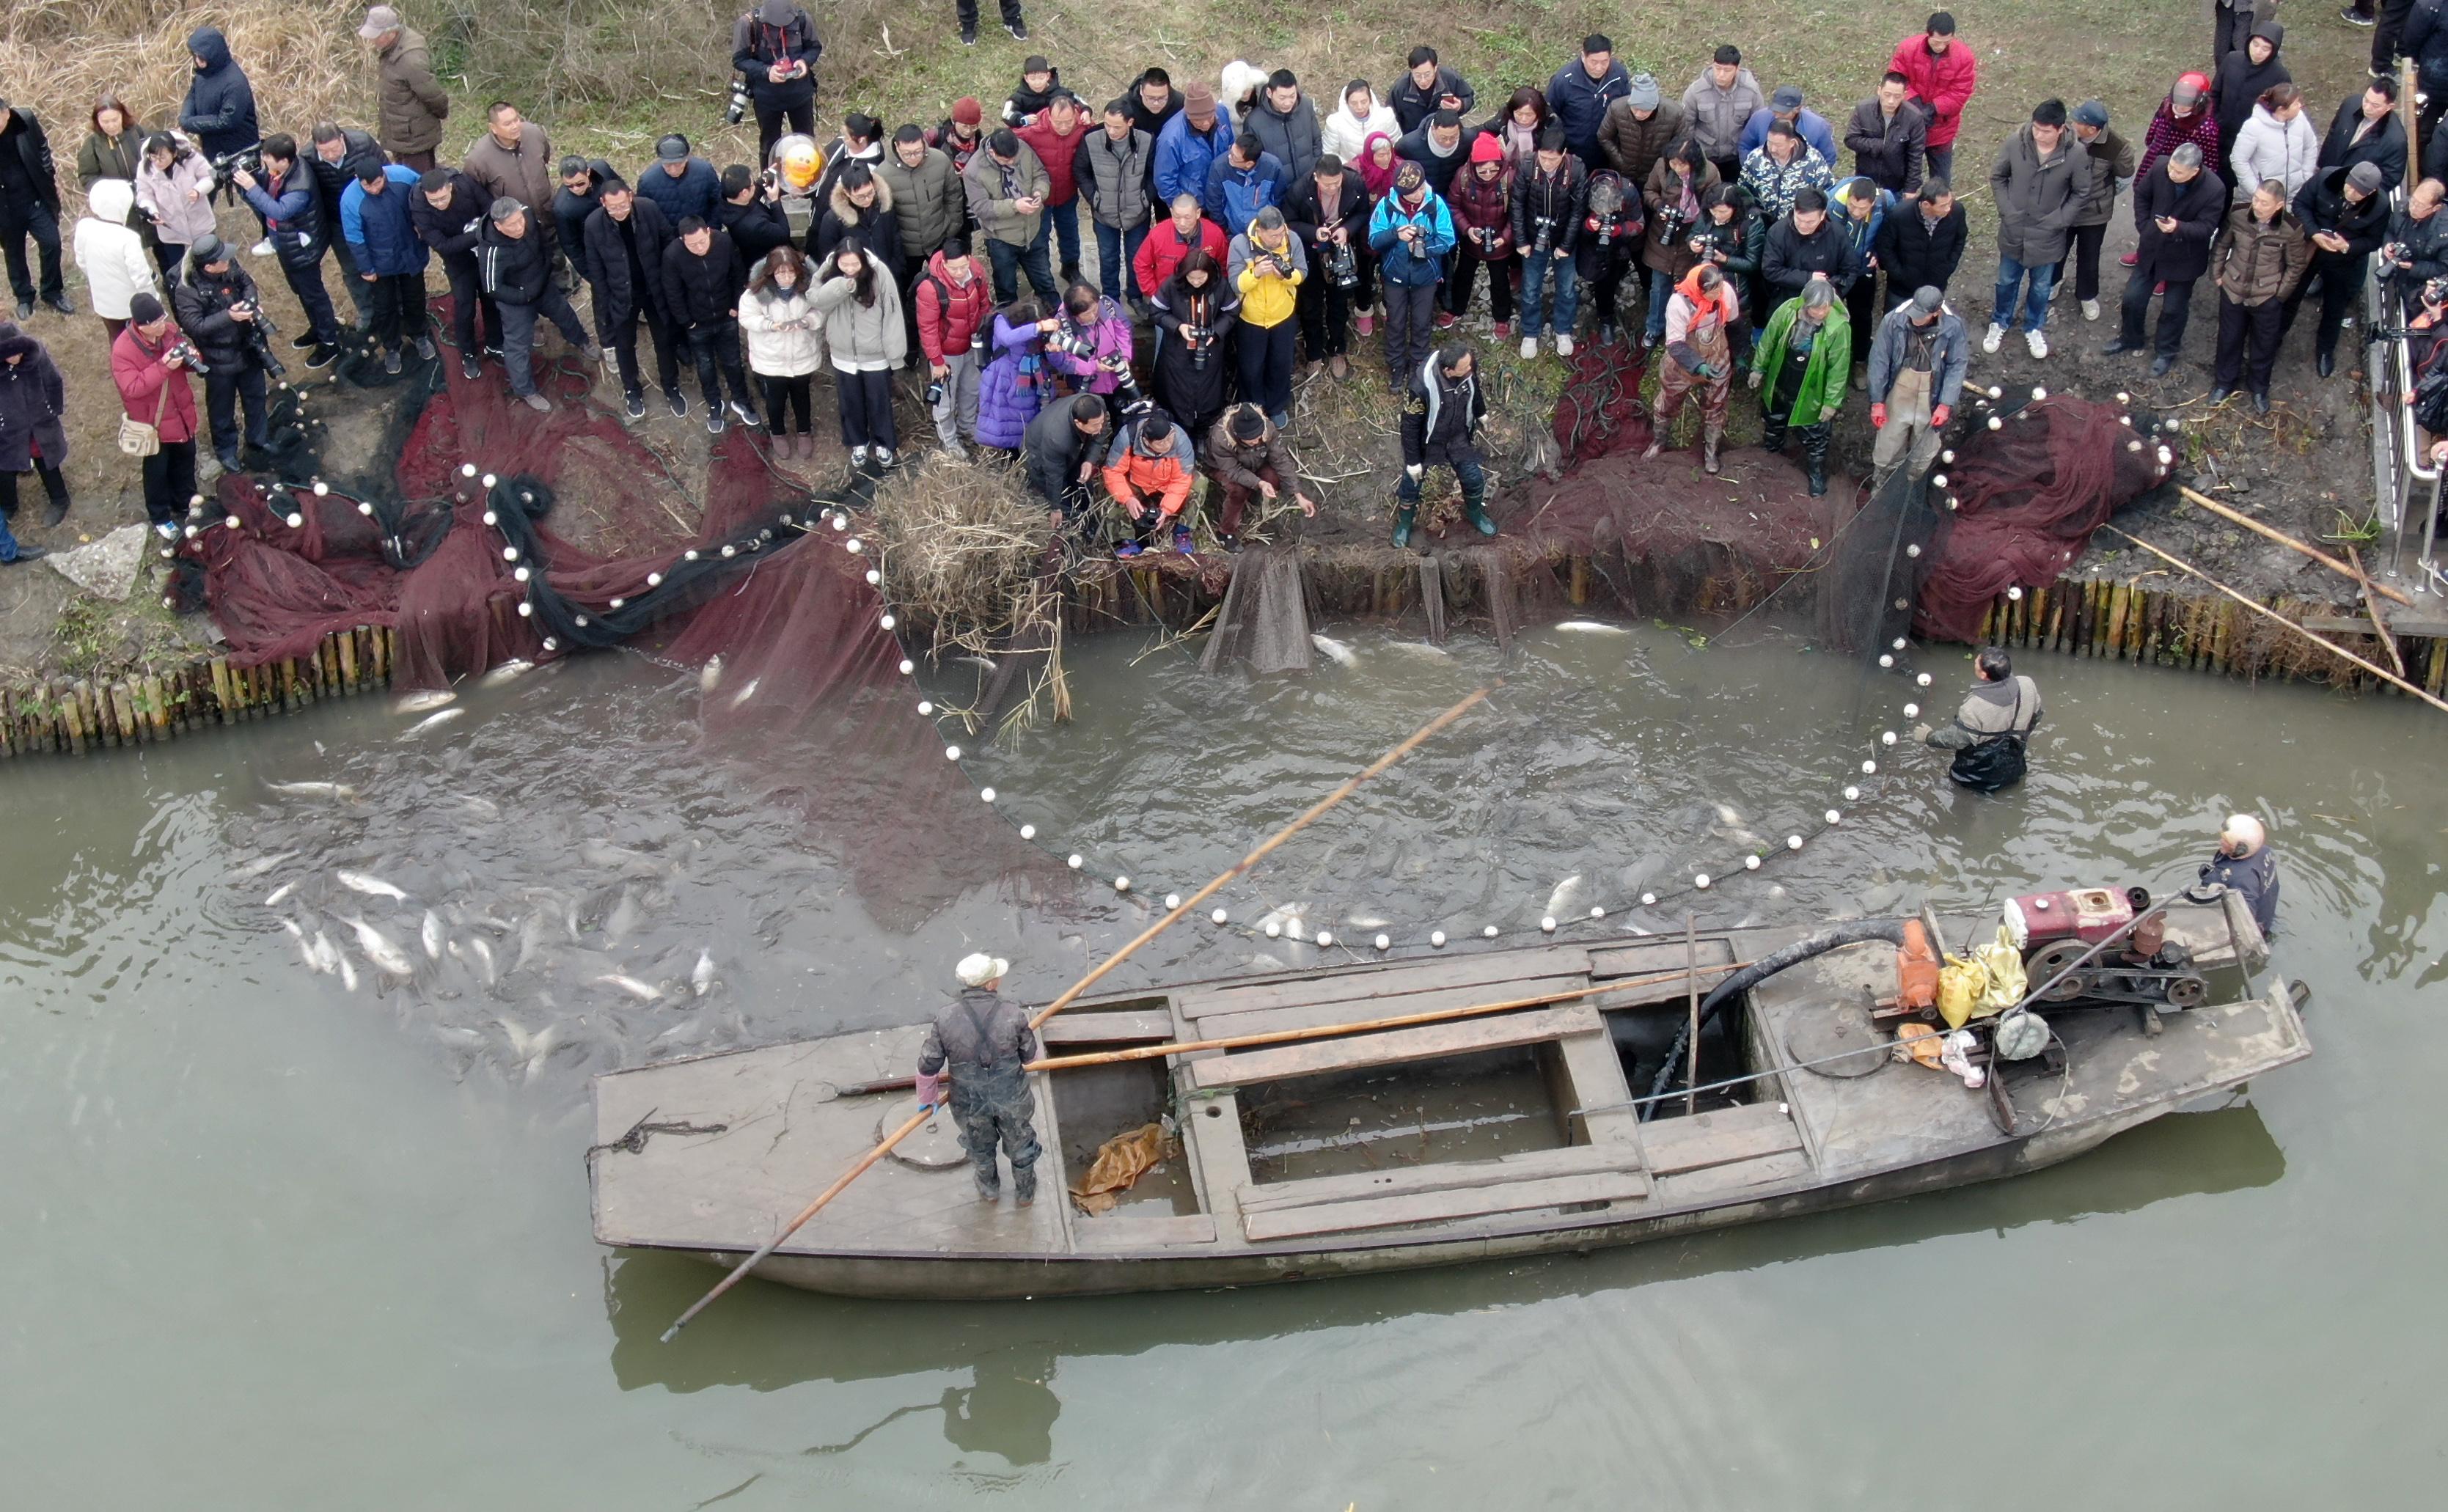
(1465, 1188)
(1393, 1046)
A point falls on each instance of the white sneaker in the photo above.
(1563, 345)
(2038, 343)
(1996, 339)
(2090, 309)
(263, 248)
(1529, 348)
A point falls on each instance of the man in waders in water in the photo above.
(985, 1042)
(1992, 728)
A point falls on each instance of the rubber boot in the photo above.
(1772, 434)
(1406, 517)
(1814, 457)
(1709, 436)
(1475, 511)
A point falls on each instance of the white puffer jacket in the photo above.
(116, 266)
(1347, 135)
(2267, 147)
(785, 333)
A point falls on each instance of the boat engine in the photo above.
(2143, 968)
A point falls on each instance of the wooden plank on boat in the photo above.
(1131, 1232)
(1428, 1041)
(1448, 1176)
(1388, 982)
(1429, 1207)
(1220, 1158)
(1317, 1015)
(1596, 1074)
(1094, 1028)
(1649, 960)
(1720, 1138)
(1717, 1180)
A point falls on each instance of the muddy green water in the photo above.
(277, 1244)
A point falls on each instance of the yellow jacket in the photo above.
(1265, 297)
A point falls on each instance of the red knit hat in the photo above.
(967, 111)
(1486, 149)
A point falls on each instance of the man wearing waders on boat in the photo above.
(1992, 726)
(985, 1043)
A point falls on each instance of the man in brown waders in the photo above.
(985, 1042)
(1699, 359)
(1917, 362)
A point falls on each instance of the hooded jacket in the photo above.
(1631, 147)
(1412, 265)
(2288, 151)
(2241, 81)
(1822, 375)
(1292, 136)
(1143, 472)
(2256, 263)
(220, 108)
(1482, 211)
(23, 136)
(412, 104)
(949, 315)
(701, 290)
(605, 255)
(927, 199)
(150, 392)
(861, 337)
(293, 216)
(1347, 135)
(1441, 416)
(454, 230)
(2382, 145)
(114, 261)
(1915, 254)
(1716, 117)
(877, 225)
(1266, 301)
(1949, 355)
(2112, 174)
(783, 330)
(1113, 176)
(1888, 152)
(32, 398)
(993, 189)
(1552, 201)
(1942, 83)
(1012, 388)
(1412, 104)
(1690, 306)
(181, 199)
(1183, 155)
(1238, 464)
(2037, 197)
(381, 228)
(1580, 102)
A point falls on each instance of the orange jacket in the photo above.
(1139, 473)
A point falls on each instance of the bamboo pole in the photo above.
(882, 1146)
(2329, 646)
(2379, 626)
(2287, 541)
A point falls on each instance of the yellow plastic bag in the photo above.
(1990, 982)
(1120, 1162)
(1962, 984)
(2004, 965)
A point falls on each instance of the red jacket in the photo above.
(1945, 83)
(947, 324)
(136, 370)
(1057, 153)
(1163, 250)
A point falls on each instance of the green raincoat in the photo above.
(1822, 379)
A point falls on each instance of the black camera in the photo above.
(934, 394)
(257, 338)
(1544, 241)
(1072, 343)
(247, 160)
(1202, 344)
(184, 351)
(1342, 265)
(737, 110)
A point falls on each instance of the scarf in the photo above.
(1380, 180)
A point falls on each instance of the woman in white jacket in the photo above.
(175, 186)
(2278, 143)
(1361, 116)
(786, 345)
(862, 311)
(112, 258)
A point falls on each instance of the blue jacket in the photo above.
(1399, 264)
(293, 217)
(695, 192)
(1184, 157)
(220, 110)
(1234, 195)
(381, 228)
(1812, 126)
(1579, 103)
(1859, 233)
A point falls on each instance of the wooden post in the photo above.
(1692, 991)
(349, 660)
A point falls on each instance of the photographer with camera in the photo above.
(2416, 251)
(377, 217)
(292, 209)
(215, 304)
(1149, 473)
(1196, 312)
(1411, 231)
(953, 311)
(1481, 202)
(774, 47)
(1267, 267)
(1090, 347)
(174, 188)
(1330, 213)
(1609, 243)
(1675, 196)
(1548, 202)
(149, 364)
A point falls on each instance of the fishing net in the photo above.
(1264, 622)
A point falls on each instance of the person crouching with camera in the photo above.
(149, 364)
(217, 307)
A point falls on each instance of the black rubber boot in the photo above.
(1772, 434)
(1814, 457)
(1404, 518)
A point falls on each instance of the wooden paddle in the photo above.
(882, 1147)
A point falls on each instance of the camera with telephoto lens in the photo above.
(257, 338)
(1072, 344)
(247, 160)
(1201, 342)
(737, 110)
(1342, 265)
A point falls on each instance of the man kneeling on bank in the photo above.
(986, 1043)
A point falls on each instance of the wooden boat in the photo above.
(1509, 1134)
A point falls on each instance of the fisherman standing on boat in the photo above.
(1992, 728)
(2246, 864)
(985, 1042)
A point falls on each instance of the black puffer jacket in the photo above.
(617, 295)
(1916, 254)
(23, 137)
(32, 400)
(569, 211)
(702, 291)
(220, 108)
(203, 302)
(2322, 206)
(757, 228)
(454, 230)
(331, 179)
(516, 270)
(1789, 259)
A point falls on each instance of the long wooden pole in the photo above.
(2379, 626)
(2290, 542)
(885, 1145)
(1350, 786)
(2332, 647)
(1692, 990)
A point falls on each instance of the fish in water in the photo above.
(1592, 627)
(431, 933)
(373, 887)
(381, 948)
(505, 672)
(306, 949)
(347, 973)
(710, 675)
(433, 721)
(631, 986)
(419, 702)
(485, 957)
(1560, 901)
(625, 915)
(1729, 815)
(986, 662)
(315, 790)
(279, 892)
(260, 866)
(327, 957)
(485, 807)
(1333, 650)
(745, 694)
(1423, 647)
(701, 975)
(530, 1049)
(1287, 918)
(1363, 921)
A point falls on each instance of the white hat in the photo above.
(976, 970)
(2246, 830)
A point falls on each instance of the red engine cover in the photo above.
(2088, 914)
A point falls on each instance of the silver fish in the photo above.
(1422, 647)
(429, 931)
(1287, 918)
(530, 940)
(624, 918)
(508, 670)
(419, 702)
(747, 693)
(710, 675)
(279, 892)
(1334, 650)
(315, 790)
(484, 956)
(1560, 901)
(260, 866)
(347, 973)
(986, 662)
(1364, 920)
(631, 986)
(431, 721)
(295, 932)
(1593, 627)
(530, 1049)
(701, 976)
(381, 950)
(373, 887)
(327, 957)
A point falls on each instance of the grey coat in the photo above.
(991, 201)
(928, 199)
(1291, 137)
(2112, 174)
(860, 337)
(1947, 359)
(2038, 199)
(1112, 176)
(1716, 117)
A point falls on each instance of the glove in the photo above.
(1877, 416)
(1920, 734)
(1828, 415)
(1756, 376)
(931, 1089)
(1413, 471)
(1710, 373)
(1939, 414)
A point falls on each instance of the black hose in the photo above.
(1834, 938)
